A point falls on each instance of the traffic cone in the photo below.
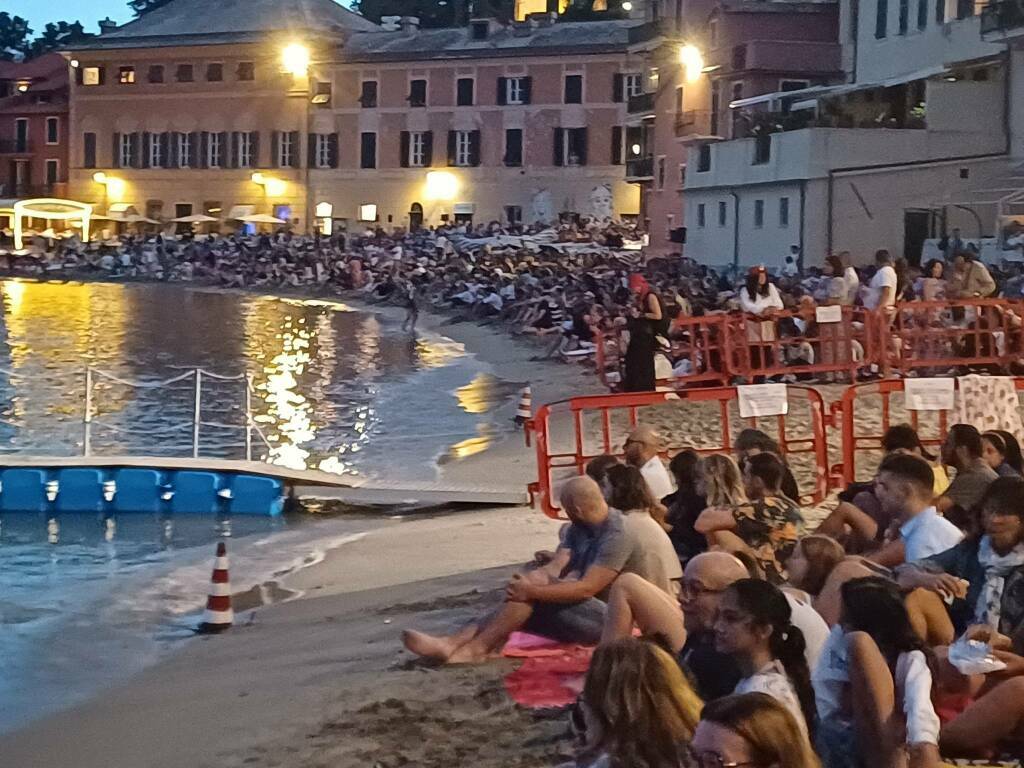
(524, 411)
(218, 615)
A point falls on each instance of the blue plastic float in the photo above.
(131, 490)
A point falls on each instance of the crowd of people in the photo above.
(726, 634)
(570, 285)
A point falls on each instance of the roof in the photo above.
(41, 67)
(202, 22)
(457, 42)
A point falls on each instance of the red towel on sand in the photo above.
(552, 673)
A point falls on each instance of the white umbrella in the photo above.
(195, 218)
(142, 220)
(261, 218)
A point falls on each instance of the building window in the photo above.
(286, 149)
(632, 84)
(21, 134)
(682, 174)
(704, 158)
(701, 215)
(214, 73)
(124, 154)
(52, 130)
(904, 20)
(922, 14)
(52, 172)
(92, 75)
(762, 149)
(246, 70)
(574, 89)
(784, 212)
(89, 150)
(715, 108)
(723, 214)
(244, 149)
(464, 92)
(155, 73)
(126, 75)
(940, 11)
(570, 146)
(616, 153)
(793, 85)
(759, 213)
(368, 150)
(156, 156)
(368, 94)
(513, 215)
(417, 153)
(417, 93)
(184, 73)
(964, 9)
(463, 147)
(184, 150)
(322, 151)
(661, 173)
(881, 18)
(513, 147)
(516, 90)
(213, 150)
(679, 99)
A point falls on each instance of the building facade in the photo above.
(34, 133)
(183, 112)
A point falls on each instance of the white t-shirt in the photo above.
(774, 681)
(852, 281)
(657, 477)
(884, 278)
(760, 303)
(809, 622)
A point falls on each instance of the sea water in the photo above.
(87, 600)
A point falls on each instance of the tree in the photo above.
(14, 34)
(142, 7)
(56, 36)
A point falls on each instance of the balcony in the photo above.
(685, 122)
(1002, 20)
(642, 104)
(640, 169)
(15, 147)
(60, 189)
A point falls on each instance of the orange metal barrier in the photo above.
(861, 435)
(569, 433)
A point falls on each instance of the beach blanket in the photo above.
(989, 402)
(551, 674)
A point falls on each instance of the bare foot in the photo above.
(470, 653)
(428, 646)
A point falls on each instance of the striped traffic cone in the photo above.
(524, 411)
(218, 615)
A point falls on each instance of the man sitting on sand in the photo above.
(641, 449)
(603, 544)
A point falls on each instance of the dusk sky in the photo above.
(86, 11)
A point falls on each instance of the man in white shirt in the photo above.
(882, 289)
(641, 449)
(905, 488)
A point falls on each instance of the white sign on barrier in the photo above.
(762, 400)
(928, 394)
(829, 314)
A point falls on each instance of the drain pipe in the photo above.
(735, 232)
(803, 208)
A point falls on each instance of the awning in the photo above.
(840, 90)
(777, 96)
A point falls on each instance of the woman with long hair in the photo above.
(628, 492)
(750, 442)
(755, 626)
(637, 709)
(819, 567)
(760, 299)
(1013, 453)
(994, 451)
(751, 730)
(720, 482)
(685, 505)
(874, 684)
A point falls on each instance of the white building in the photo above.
(926, 136)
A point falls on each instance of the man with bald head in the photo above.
(570, 606)
(642, 447)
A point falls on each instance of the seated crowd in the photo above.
(727, 635)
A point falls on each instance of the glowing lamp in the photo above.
(627, 6)
(275, 187)
(295, 59)
(441, 185)
(692, 60)
(257, 178)
(99, 177)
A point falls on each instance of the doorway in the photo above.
(415, 217)
(917, 227)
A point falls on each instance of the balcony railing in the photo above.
(1002, 16)
(685, 122)
(640, 168)
(643, 102)
(14, 147)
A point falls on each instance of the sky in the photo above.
(89, 12)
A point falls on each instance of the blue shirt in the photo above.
(928, 534)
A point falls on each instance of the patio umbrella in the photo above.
(261, 218)
(142, 220)
(195, 218)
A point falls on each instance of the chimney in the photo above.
(409, 25)
(107, 25)
(390, 23)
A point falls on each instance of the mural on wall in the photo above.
(601, 204)
(542, 208)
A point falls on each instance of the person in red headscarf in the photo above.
(646, 320)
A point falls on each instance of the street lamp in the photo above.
(692, 60)
(295, 59)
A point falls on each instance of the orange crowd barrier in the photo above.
(842, 342)
(569, 433)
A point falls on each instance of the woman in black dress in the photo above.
(645, 322)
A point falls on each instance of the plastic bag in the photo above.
(972, 657)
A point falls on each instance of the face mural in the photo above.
(601, 202)
(542, 209)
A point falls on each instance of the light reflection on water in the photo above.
(332, 387)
